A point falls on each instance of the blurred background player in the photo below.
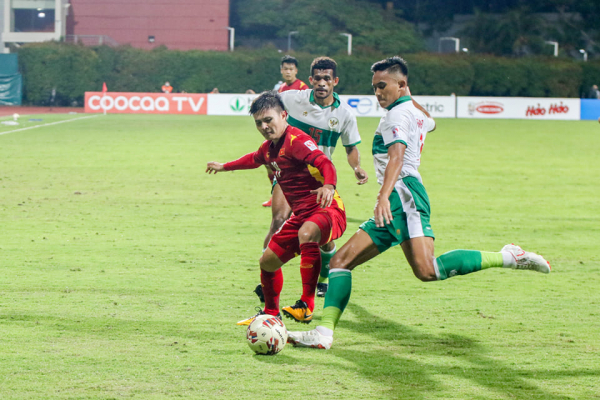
(319, 113)
(402, 211)
(166, 88)
(307, 178)
(289, 70)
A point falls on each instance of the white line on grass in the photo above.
(51, 123)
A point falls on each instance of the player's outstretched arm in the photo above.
(382, 211)
(214, 167)
(354, 160)
(249, 161)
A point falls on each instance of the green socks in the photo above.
(462, 262)
(337, 297)
(325, 258)
(456, 262)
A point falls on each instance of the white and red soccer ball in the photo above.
(266, 335)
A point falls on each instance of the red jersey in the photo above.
(299, 167)
(296, 85)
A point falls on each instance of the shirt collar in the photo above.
(336, 100)
(401, 100)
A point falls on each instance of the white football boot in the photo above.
(311, 339)
(527, 260)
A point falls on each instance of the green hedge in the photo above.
(527, 77)
(74, 69)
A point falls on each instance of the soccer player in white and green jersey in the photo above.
(402, 209)
(320, 114)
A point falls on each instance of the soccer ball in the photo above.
(266, 335)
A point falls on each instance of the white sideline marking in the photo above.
(48, 124)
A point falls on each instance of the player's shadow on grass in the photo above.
(396, 361)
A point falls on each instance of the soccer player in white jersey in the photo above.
(401, 214)
(320, 114)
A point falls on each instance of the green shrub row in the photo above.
(75, 69)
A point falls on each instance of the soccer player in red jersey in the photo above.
(289, 70)
(307, 178)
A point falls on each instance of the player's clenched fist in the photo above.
(215, 167)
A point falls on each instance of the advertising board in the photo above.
(368, 106)
(590, 109)
(229, 104)
(145, 103)
(518, 108)
(363, 106)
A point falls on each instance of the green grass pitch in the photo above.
(124, 267)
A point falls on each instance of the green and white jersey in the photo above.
(324, 124)
(402, 123)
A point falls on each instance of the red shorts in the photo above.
(331, 222)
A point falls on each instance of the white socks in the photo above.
(508, 260)
(324, 331)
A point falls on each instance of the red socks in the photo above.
(310, 267)
(272, 282)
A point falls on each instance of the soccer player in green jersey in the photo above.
(320, 114)
(401, 214)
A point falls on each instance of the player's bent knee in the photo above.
(425, 275)
(269, 263)
(339, 261)
(309, 232)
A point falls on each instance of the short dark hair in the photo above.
(393, 64)
(323, 63)
(287, 59)
(266, 101)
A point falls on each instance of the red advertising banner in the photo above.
(145, 103)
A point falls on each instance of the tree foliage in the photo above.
(518, 32)
(319, 25)
(514, 27)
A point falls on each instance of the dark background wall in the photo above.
(177, 24)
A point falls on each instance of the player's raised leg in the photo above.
(280, 212)
(359, 249)
(271, 278)
(419, 254)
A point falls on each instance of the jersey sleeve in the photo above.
(259, 155)
(249, 161)
(396, 129)
(287, 98)
(304, 148)
(430, 124)
(350, 135)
